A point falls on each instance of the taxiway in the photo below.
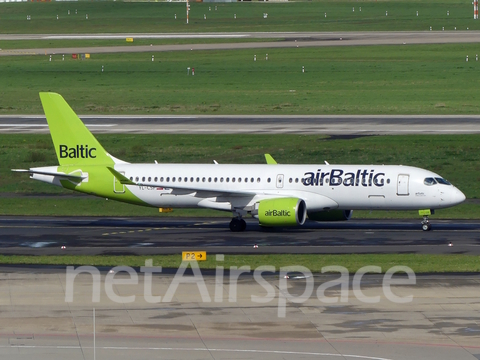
(141, 236)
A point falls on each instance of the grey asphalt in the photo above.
(40, 320)
(290, 40)
(149, 236)
(254, 124)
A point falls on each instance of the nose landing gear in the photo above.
(426, 226)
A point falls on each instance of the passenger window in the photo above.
(246, 180)
(221, 179)
(233, 179)
(149, 179)
(258, 180)
(239, 179)
(290, 180)
(131, 178)
(179, 179)
(296, 180)
(269, 180)
(198, 179)
(156, 179)
(161, 179)
(185, 179)
(252, 180)
(143, 178)
(173, 179)
(168, 179)
(228, 179)
(191, 179)
(203, 179)
(209, 179)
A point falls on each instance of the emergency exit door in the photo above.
(280, 181)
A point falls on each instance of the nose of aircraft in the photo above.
(457, 197)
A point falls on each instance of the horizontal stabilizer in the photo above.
(51, 173)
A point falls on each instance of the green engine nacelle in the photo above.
(332, 215)
(282, 212)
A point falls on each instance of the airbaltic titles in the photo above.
(339, 177)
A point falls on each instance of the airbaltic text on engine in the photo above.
(79, 152)
(339, 177)
(277, 213)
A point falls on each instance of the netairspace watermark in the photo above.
(270, 287)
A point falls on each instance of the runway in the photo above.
(257, 124)
(283, 40)
(142, 236)
(47, 315)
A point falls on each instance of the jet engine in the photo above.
(282, 212)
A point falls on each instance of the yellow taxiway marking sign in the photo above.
(194, 255)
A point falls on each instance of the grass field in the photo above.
(418, 263)
(453, 156)
(292, 16)
(417, 79)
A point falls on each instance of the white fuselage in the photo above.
(322, 187)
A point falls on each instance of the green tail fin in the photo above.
(74, 143)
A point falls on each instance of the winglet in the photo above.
(121, 178)
(270, 160)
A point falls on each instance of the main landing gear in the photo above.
(426, 226)
(237, 224)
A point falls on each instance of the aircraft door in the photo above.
(118, 187)
(402, 185)
(280, 181)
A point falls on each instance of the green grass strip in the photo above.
(405, 79)
(138, 17)
(418, 263)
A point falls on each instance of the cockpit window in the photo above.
(429, 181)
(442, 181)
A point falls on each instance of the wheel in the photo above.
(426, 227)
(243, 224)
(236, 225)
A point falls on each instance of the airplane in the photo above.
(276, 195)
